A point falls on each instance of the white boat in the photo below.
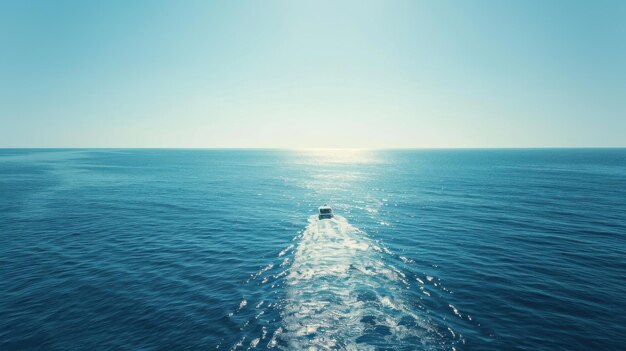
(325, 212)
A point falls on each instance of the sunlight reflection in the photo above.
(338, 156)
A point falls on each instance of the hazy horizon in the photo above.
(314, 149)
(320, 74)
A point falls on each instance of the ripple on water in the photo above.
(336, 288)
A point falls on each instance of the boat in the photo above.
(325, 212)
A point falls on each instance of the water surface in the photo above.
(218, 249)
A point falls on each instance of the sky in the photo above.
(313, 74)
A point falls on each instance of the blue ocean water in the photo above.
(220, 249)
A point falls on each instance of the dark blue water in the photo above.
(208, 249)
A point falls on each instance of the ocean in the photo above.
(175, 249)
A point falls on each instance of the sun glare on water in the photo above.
(338, 156)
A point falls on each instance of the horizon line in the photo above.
(310, 148)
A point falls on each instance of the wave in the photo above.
(336, 288)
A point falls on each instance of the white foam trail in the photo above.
(340, 291)
(334, 288)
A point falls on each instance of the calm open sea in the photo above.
(220, 249)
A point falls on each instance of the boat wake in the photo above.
(335, 288)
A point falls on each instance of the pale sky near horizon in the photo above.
(336, 74)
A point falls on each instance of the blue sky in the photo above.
(299, 74)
